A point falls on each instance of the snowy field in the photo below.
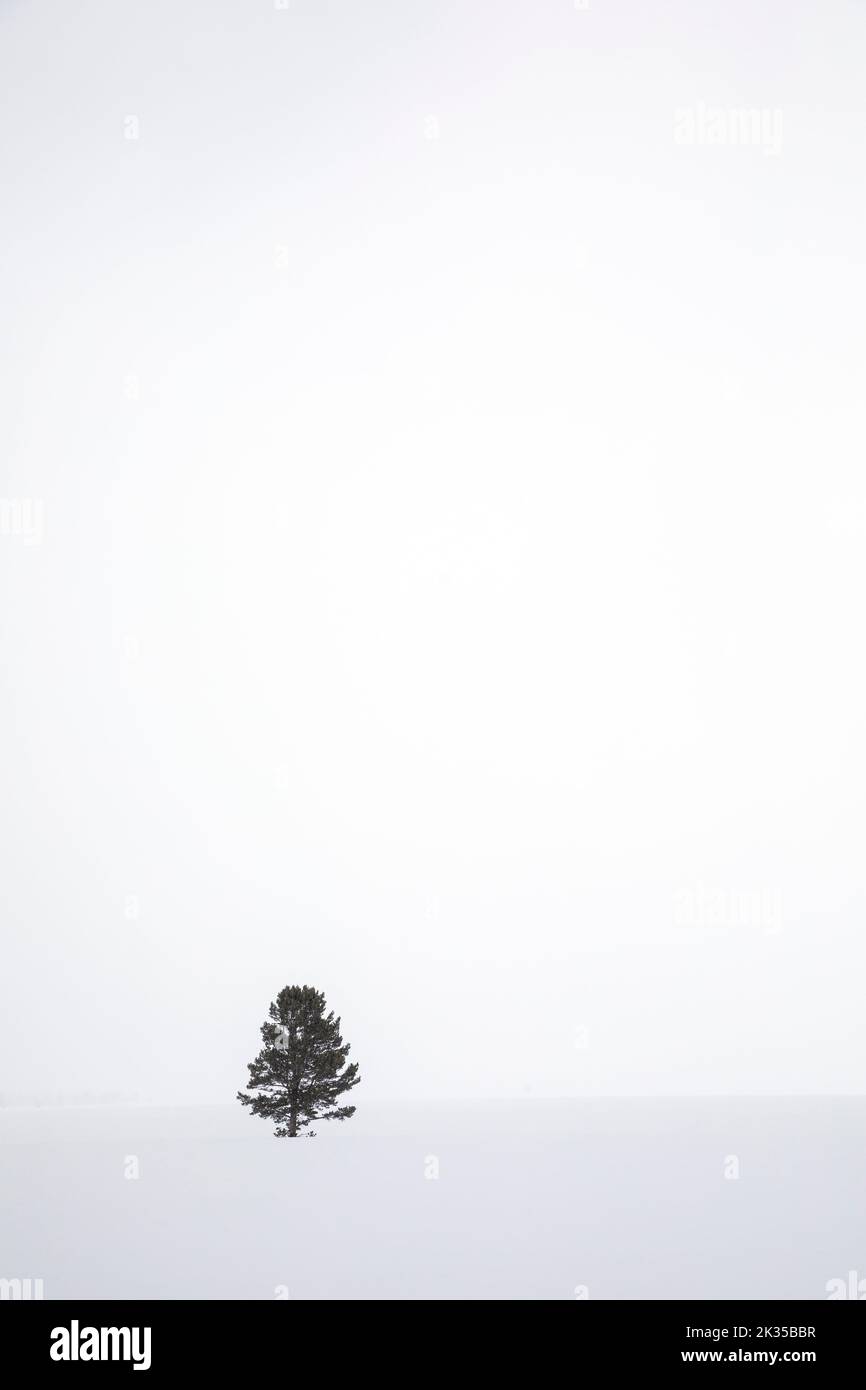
(533, 1199)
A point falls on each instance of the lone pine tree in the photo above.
(299, 1074)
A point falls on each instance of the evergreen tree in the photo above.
(298, 1076)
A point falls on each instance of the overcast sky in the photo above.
(433, 542)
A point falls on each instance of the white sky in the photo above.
(453, 544)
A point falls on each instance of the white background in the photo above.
(452, 545)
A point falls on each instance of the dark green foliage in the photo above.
(298, 1076)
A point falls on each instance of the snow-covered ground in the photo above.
(607, 1198)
